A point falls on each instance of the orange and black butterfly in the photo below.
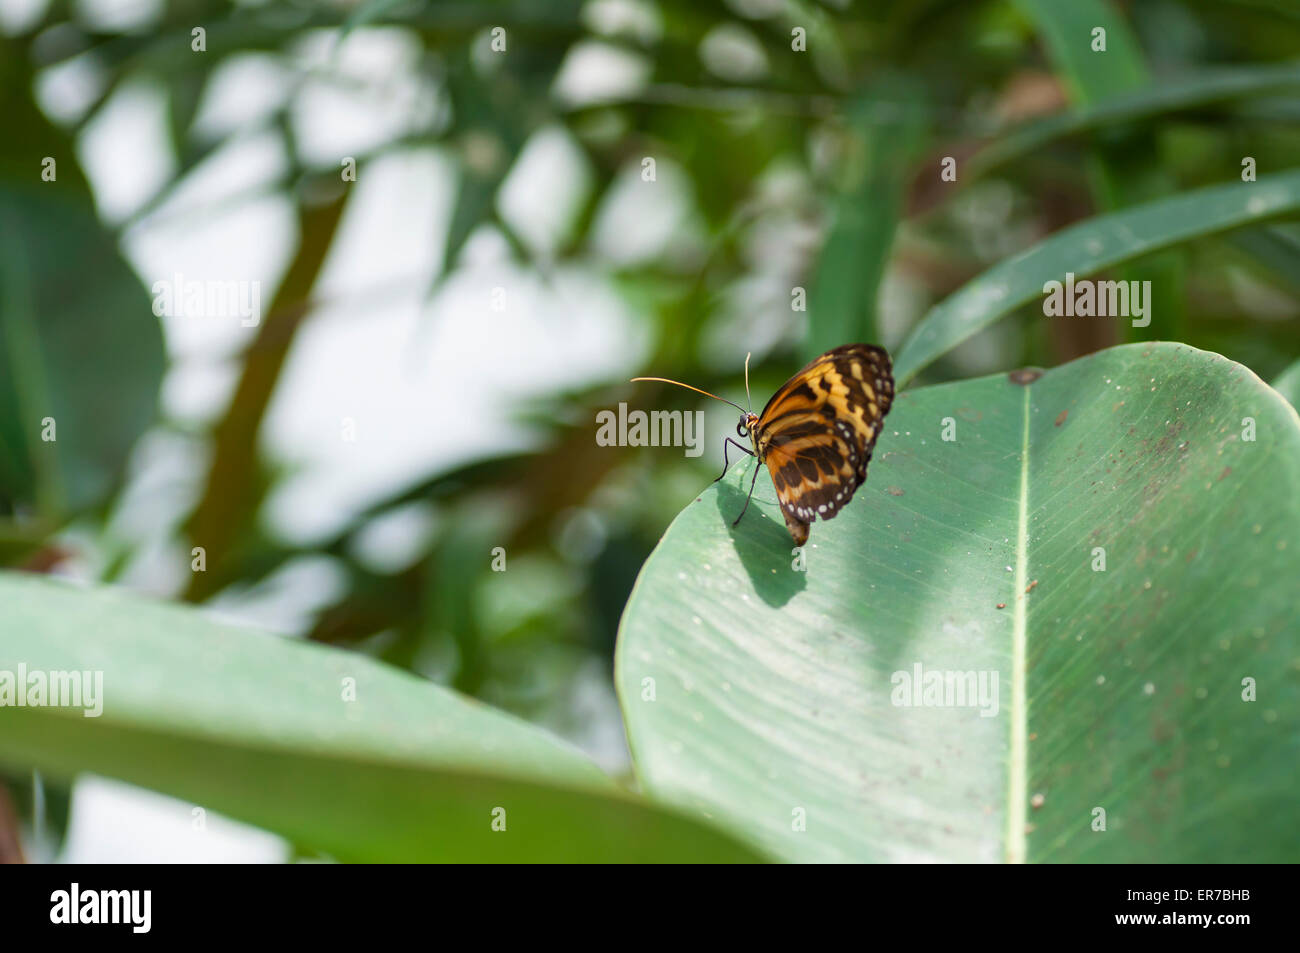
(817, 432)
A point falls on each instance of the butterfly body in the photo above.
(817, 432)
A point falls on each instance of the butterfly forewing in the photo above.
(817, 432)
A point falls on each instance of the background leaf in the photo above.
(1087, 248)
(1171, 95)
(886, 133)
(78, 338)
(255, 727)
(1128, 170)
(1288, 384)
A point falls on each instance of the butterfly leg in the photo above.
(725, 463)
(757, 467)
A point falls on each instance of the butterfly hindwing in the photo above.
(817, 432)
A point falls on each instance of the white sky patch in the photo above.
(543, 193)
(196, 390)
(361, 94)
(288, 600)
(595, 72)
(125, 150)
(394, 540)
(118, 823)
(113, 16)
(66, 90)
(222, 224)
(423, 389)
(19, 16)
(391, 238)
(243, 92)
(732, 52)
(635, 19)
(637, 219)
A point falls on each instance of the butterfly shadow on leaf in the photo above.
(763, 545)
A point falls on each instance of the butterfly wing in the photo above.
(817, 432)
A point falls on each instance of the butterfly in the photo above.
(817, 432)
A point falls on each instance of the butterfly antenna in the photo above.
(748, 399)
(664, 380)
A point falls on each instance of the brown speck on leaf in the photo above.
(1002, 605)
(1033, 736)
(1060, 418)
(1036, 801)
(1226, 471)
(1029, 828)
(1030, 587)
(893, 491)
(1025, 376)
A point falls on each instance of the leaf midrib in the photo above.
(1016, 766)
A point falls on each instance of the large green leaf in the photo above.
(258, 728)
(753, 692)
(1087, 248)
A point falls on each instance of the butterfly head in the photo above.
(746, 426)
